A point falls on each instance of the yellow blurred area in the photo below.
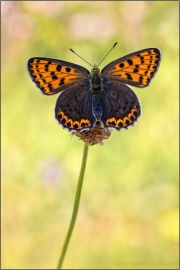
(169, 224)
(128, 216)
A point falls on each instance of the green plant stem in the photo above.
(75, 208)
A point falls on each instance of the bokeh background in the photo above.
(128, 216)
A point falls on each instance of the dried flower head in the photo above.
(95, 135)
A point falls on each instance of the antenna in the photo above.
(81, 57)
(108, 53)
(101, 60)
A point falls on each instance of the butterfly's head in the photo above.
(95, 69)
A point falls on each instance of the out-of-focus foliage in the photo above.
(128, 214)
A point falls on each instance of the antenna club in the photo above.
(115, 44)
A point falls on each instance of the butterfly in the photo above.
(97, 97)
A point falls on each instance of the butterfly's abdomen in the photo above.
(97, 105)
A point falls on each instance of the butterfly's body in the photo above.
(96, 88)
(101, 97)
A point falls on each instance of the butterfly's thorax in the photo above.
(95, 79)
(96, 89)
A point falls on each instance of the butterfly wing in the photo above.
(73, 109)
(52, 76)
(135, 69)
(122, 107)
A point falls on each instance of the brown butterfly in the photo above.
(101, 97)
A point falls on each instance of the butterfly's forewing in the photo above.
(52, 76)
(73, 108)
(135, 69)
(122, 107)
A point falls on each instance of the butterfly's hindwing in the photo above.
(73, 109)
(121, 106)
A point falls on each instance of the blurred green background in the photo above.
(128, 216)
